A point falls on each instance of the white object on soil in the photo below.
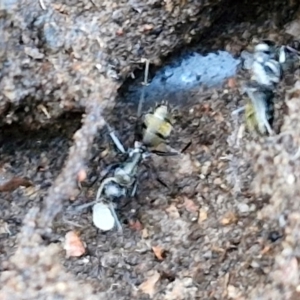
(102, 217)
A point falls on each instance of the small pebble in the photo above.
(290, 179)
(255, 265)
(207, 254)
(243, 207)
(274, 236)
(205, 169)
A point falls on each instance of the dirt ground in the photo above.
(227, 227)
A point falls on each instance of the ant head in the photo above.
(264, 51)
(264, 47)
(138, 148)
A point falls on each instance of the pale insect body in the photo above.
(266, 74)
(266, 70)
(157, 126)
(264, 51)
(102, 217)
(276, 60)
(124, 178)
(268, 65)
(258, 111)
(122, 182)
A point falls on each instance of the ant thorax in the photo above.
(268, 73)
(114, 190)
(259, 73)
(261, 57)
(122, 177)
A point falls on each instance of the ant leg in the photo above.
(238, 110)
(268, 126)
(186, 146)
(104, 173)
(161, 182)
(99, 193)
(164, 153)
(113, 212)
(103, 183)
(83, 206)
(292, 49)
(108, 169)
(153, 172)
(282, 54)
(134, 189)
(115, 139)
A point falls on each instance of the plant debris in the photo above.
(73, 245)
(159, 252)
(229, 218)
(149, 286)
(14, 183)
(202, 215)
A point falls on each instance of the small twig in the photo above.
(78, 208)
(225, 285)
(42, 4)
(292, 49)
(144, 83)
(275, 138)
(112, 285)
(238, 111)
(296, 155)
(237, 134)
(93, 3)
(71, 222)
(115, 138)
(45, 111)
(6, 228)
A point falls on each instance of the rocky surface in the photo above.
(227, 227)
(53, 59)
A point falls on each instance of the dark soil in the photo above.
(214, 229)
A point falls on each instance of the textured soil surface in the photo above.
(69, 47)
(227, 227)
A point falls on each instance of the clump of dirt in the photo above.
(35, 271)
(54, 59)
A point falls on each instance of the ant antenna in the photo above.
(144, 83)
(115, 139)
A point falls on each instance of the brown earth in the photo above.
(226, 229)
(70, 46)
